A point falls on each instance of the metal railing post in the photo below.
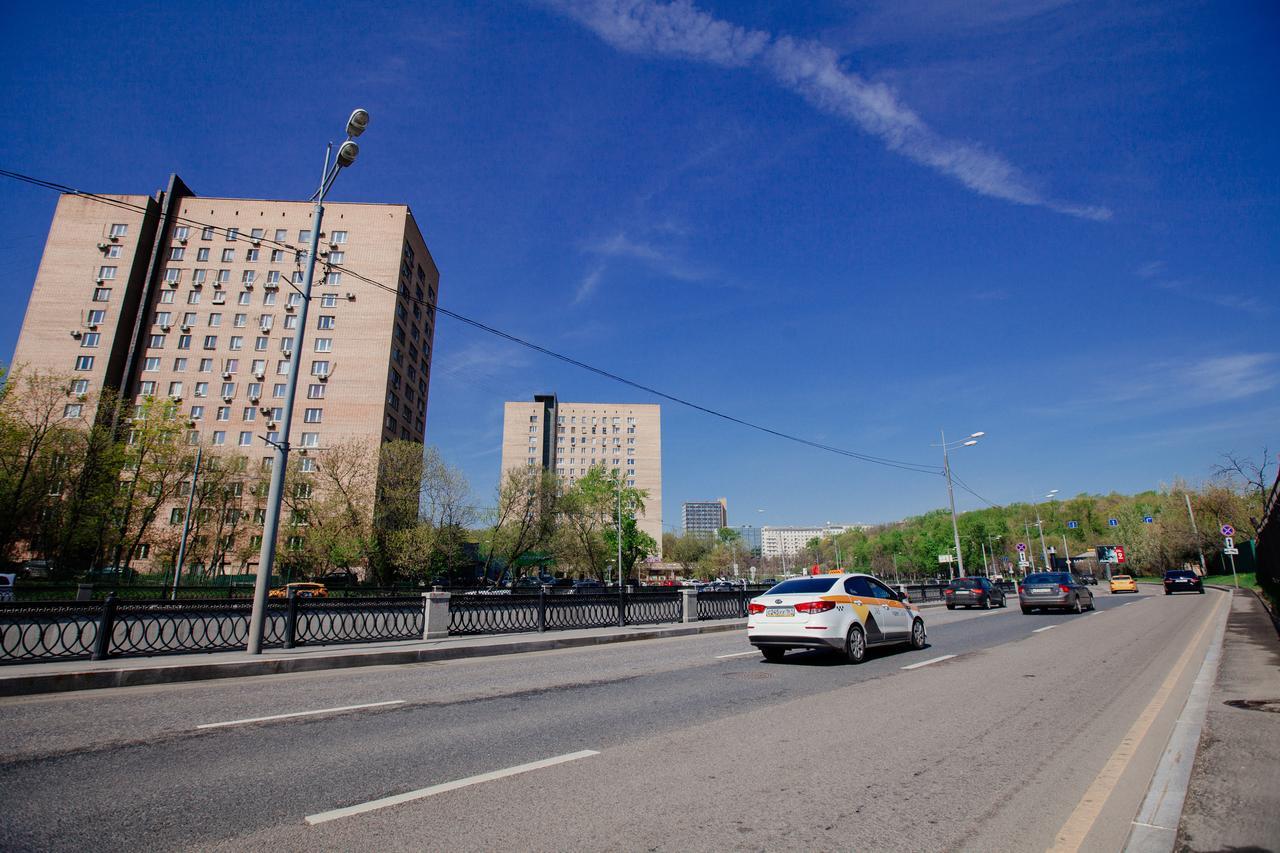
(622, 605)
(106, 627)
(291, 619)
(688, 605)
(542, 608)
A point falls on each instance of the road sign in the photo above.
(1119, 553)
(1072, 525)
(1228, 542)
(1228, 530)
(1113, 522)
(1231, 551)
(945, 558)
(1146, 519)
(1022, 564)
(1022, 547)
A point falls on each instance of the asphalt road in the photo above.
(695, 743)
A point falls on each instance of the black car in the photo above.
(1182, 580)
(588, 585)
(1088, 578)
(973, 592)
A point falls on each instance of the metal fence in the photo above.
(117, 627)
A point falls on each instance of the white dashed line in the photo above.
(324, 817)
(737, 655)
(299, 714)
(927, 662)
(1045, 628)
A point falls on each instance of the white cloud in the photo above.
(813, 71)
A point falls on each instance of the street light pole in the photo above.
(186, 524)
(1196, 533)
(347, 153)
(951, 495)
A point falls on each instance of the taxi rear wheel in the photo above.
(917, 634)
(855, 645)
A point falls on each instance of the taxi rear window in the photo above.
(802, 585)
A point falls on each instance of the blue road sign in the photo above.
(1228, 530)
(1113, 522)
(1072, 525)
(1146, 519)
(1022, 546)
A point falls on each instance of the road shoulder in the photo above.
(1232, 799)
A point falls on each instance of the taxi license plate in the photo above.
(780, 611)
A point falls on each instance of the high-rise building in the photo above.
(705, 518)
(196, 300)
(571, 438)
(749, 535)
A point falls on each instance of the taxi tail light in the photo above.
(1064, 587)
(815, 606)
(755, 608)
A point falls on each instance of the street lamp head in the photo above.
(969, 443)
(357, 123)
(347, 153)
(977, 435)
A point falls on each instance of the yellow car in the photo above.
(1123, 583)
(305, 590)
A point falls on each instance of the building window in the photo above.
(228, 256)
(251, 255)
(324, 344)
(72, 410)
(107, 273)
(326, 321)
(315, 391)
(210, 341)
(304, 236)
(277, 256)
(240, 320)
(90, 339)
(336, 257)
(202, 389)
(224, 277)
(313, 416)
(176, 253)
(329, 300)
(151, 364)
(228, 390)
(244, 298)
(248, 277)
(277, 390)
(246, 438)
(202, 254)
(219, 297)
(193, 298)
(166, 297)
(291, 322)
(311, 439)
(333, 278)
(320, 368)
(102, 294)
(282, 235)
(219, 437)
(237, 342)
(273, 277)
(269, 297)
(249, 414)
(338, 237)
(282, 367)
(232, 234)
(119, 229)
(206, 233)
(81, 386)
(155, 341)
(175, 388)
(197, 412)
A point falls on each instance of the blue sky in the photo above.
(855, 222)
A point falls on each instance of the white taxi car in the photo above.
(843, 612)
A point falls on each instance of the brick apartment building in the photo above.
(625, 436)
(193, 299)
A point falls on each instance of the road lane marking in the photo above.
(299, 714)
(1045, 628)
(1080, 823)
(335, 814)
(737, 655)
(927, 662)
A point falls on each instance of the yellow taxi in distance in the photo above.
(1123, 583)
(305, 590)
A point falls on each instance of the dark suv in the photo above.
(973, 592)
(1182, 580)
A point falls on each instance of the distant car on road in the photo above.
(1088, 578)
(974, 592)
(588, 585)
(1123, 583)
(1182, 580)
(1054, 591)
(845, 613)
(306, 589)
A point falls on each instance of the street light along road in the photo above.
(347, 153)
(970, 441)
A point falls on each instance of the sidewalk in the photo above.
(1233, 799)
(57, 676)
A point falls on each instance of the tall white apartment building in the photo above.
(571, 438)
(789, 541)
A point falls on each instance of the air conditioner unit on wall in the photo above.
(102, 247)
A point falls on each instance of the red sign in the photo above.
(1119, 553)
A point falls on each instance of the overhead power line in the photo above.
(507, 336)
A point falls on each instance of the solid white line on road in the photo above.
(1045, 628)
(299, 714)
(737, 655)
(927, 662)
(419, 794)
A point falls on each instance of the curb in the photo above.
(147, 674)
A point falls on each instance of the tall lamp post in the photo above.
(1044, 549)
(347, 153)
(951, 496)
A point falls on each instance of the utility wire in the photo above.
(515, 339)
(962, 484)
